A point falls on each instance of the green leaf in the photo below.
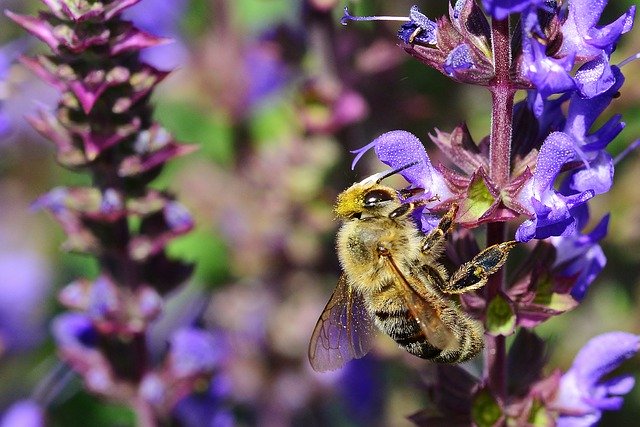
(485, 411)
(478, 201)
(501, 320)
(207, 251)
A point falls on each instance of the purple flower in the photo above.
(581, 257)
(8, 53)
(363, 390)
(549, 52)
(458, 59)
(500, 9)
(582, 38)
(547, 74)
(398, 149)
(24, 277)
(74, 331)
(207, 408)
(592, 174)
(419, 28)
(194, 352)
(24, 413)
(582, 394)
(163, 19)
(552, 210)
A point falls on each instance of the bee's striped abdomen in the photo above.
(405, 330)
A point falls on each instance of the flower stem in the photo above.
(502, 94)
(495, 360)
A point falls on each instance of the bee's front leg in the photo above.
(436, 237)
(474, 274)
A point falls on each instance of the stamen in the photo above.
(626, 151)
(629, 59)
(348, 17)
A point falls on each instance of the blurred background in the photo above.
(276, 93)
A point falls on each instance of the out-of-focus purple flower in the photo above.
(8, 54)
(500, 9)
(266, 70)
(24, 280)
(363, 391)
(24, 413)
(206, 409)
(161, 18)
(582, 394)
(194, 352)
(74, 330)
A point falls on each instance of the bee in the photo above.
(392, 278)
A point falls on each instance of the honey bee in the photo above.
(392, 278)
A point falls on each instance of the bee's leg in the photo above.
(437, 236)
(473, 274)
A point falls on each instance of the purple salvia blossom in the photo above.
(24, 413)
(24, 279)
(194, 352)
(580, 42)
(398, 149)
(8, 53)
(500, 9)
(206, 408)
(162, 18)
(581, 257)
(553, 209)
(583, 394)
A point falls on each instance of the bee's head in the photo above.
(363, 200)
(368, 198)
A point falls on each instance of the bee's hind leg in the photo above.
(474, 274)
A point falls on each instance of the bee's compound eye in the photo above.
(375, 197)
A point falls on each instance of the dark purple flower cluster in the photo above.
(544, 160)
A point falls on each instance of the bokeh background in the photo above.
(276, 93)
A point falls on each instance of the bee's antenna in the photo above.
(395, 171)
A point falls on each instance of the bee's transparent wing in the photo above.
(344, 330)
(425, 310)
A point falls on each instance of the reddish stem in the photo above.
(502, 94)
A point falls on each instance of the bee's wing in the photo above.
(424, 309)
(344, 330)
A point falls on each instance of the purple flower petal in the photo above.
(194, 352)
(582, 38)
(580, 256)
(428, 33)
(24, 413)
(597, 176)
(400, 148)
(595, 77)
(602, 355)
(581, 396)
(458, 59)
(73, 330)
(500, 9)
